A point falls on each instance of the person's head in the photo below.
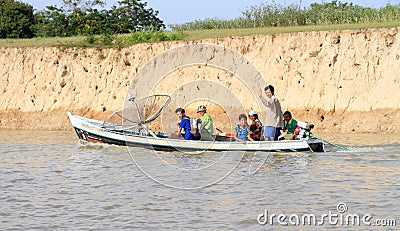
(201, 110)
(242, 119)
(257, 122)
(180, 112)
(253, 115)
(287, 116)
(269, 91)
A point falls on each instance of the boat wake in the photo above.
(380, 148)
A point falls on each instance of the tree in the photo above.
(75, 17)
(82, 5)
(51, 22)
(80, 17)
(16, 19)
(134, 16)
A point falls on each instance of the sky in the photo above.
(181, 11)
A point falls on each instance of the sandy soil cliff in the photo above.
(338, 80)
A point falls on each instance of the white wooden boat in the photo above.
(90, 130)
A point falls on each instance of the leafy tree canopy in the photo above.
(81, 17)
(16, 19)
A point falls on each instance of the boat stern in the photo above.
(316, 145)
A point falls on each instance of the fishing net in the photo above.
(137, 113)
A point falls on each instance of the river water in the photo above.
(49, 181)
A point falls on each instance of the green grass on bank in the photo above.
(40, 42)
(81, 41)
(219, 33)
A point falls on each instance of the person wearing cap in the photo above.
(242, 129)
(207, 124)
(254, 116)
(256, 127)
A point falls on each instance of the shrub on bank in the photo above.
(276, 15)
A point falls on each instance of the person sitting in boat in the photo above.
(207, 124)
(256, 127)
(184, 125)
(242, 129)
(290, 125)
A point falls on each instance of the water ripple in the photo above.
(50, 182)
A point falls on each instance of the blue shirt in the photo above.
(185, 125)
(242, 132)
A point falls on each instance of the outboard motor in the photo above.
(303, 129)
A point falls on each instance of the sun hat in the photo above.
(201, 108)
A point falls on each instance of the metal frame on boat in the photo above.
(90, 130)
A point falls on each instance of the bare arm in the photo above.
(237, 138)
(178, 133)
(249, 137)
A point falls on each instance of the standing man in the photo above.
(274, 118)
(207, 124)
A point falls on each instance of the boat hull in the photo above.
(89, 130)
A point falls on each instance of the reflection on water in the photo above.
(50, 182)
